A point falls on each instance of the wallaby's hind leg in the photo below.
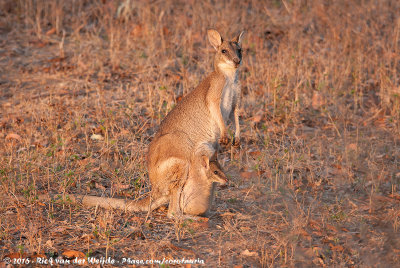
(167, 162)
(174, 209)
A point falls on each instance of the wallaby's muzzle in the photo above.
(236, 61)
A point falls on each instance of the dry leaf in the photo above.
(59, 229)
(331, 228)
(72, 254)
(380, 122)
(49, 243)
(16, 255)
(336, 248)
(248, 174)
(179, 98)
(96, 137)
(176, 77)
(165, 30)
(136, 219)
(304, 233)
(38, 43)
(88, 237)
(326, 240)
(319, 261)
(51, 31)
(352, 146)
(317, 100)
(337, 166)
(38, 255)
(248, 253)
(255, 154)
(317, 233)
(46, 69)
(13, 136)
(120, 186)
(176, 248)
(257, 118)
(305, 252)
(228, 214)
(314, 225)
(395, 196)
(56, 59)
(200, 223)
(317, 250)
(99, 186)
(137, 30)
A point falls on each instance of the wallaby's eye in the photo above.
(223, 51)
(216, 172)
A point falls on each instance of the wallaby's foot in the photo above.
(236, 142)
(192, 217)
(224, 140)
(174, 215)
(181, 216)
(196, 218)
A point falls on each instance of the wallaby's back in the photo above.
(192, 114)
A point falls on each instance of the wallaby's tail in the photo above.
(144, 204)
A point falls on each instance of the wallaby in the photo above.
(197, 194)
(199, 118)
(189, 180)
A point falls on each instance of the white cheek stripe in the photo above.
(228, 68)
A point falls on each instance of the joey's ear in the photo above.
(215, 38)
(214, 157)
(238, 39)
(205, 162)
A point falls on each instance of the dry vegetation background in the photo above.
(84, 85)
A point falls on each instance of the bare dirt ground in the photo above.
(316, 182)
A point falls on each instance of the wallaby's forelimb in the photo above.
(215, 111)
(236, 138)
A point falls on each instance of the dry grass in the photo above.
(316, 181)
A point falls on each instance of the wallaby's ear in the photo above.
(238, 39)
(215, 38)
(205, 162)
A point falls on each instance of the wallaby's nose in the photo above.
(223, 183)
(236, 60)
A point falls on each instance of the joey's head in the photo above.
(212, 171)
(216, 174)
(229, 53)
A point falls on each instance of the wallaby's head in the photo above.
(212, 170)
(229, 53)
(216, 174)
